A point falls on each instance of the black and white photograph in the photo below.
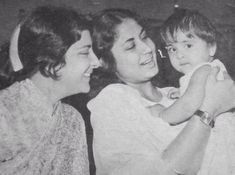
(117, 87)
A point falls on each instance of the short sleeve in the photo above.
(121, 144)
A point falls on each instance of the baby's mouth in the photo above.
(183, 64)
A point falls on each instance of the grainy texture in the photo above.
(36, 138)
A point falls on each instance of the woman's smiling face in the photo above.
(134, 53)
(80, 62)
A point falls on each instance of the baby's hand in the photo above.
(174, 93)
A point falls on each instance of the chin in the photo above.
(154, 73)
(85, 89)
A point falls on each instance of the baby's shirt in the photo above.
(184, 80)
(219, 155)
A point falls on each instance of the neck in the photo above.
(147, 90)
(48, 87)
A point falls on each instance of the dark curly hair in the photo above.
(188, 20)
(104, 33)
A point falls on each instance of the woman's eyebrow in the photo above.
(128, 40)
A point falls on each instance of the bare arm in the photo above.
(190, 101)
(184, 154)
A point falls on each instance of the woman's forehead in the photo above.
(127, 29)
(85, 41)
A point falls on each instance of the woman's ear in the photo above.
(212, 50)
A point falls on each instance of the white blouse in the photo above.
(128, 140)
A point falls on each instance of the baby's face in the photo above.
(187, 50)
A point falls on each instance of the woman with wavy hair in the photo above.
(50, 58)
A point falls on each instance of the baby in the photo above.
(190, 40)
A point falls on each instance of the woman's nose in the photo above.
(146, 48)
(95, 63)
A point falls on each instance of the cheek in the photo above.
(172, 59)
(79, 68)
(174, 63)
(151, 44)
(126, 59)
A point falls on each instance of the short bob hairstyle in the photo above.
(105, 32)
(191, 22)
(45, 36)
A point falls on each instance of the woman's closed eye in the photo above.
(130, 45)
(83, 53)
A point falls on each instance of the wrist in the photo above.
(210, 109)
(205, 118)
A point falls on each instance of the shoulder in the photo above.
(116, 89)
(70, 111)
(10, 92)
(10, 97)
(71, 116)
(114, 93)
(218, 63)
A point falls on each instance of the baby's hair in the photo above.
(191, 22)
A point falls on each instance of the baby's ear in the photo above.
(213, 48)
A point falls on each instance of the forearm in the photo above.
(185, 106)
(186, 151)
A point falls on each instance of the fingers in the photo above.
(173, 93)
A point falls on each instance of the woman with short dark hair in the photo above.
(51, 58)
(128, 140)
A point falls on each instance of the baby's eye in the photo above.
(188, 45)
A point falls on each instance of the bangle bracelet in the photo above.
(205, 118)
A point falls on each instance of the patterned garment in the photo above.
(38, 138)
